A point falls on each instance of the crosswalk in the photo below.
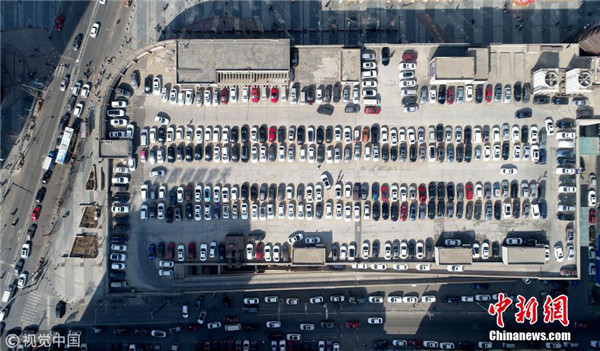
(30, 308)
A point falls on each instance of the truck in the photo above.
(8, 293)
(49, 161)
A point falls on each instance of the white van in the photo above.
(303, 97)
(565, 143)
(371, 101)
(233, 327)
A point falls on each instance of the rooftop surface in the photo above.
(198, 60)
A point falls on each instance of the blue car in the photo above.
(151, 251)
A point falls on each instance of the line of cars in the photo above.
(375, 201)
(120, 209)
(408, 82)
(310, 144)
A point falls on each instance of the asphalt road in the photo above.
(31, 304)
(438, 321)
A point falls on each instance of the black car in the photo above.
(468, 153)
(77, 41)
(459, 209)
(189, 153)
(180, 152)
(385, 152)
(272, 152)
(169, 215)
(439, 133)
(440, 152)
(460, 152)
(189, 211)
(432, 190)
(160, 251)
(263, 192)
(479, 93)
(320, 135)
(560, 100)
(565, 124)
(310, 95)
(385, 210)
(59, 311)
(208, 153)
(409, 100)
(352, 108)
(122, 228)
(523, 113)
(375, 135)
(451, 299)
(497, 210)
(121, 219)
(262, 132)
(325, 109)
(245, 153)
(376, 211)
(161, 134)
(171, 154)
(393, 153)
(524, 134)
(450, 192)
(442, 94)
(234, 134)
(431, 209)
(148, 85)
(39, 197)
(300, 135)
(413, 153)
(46, 177)
(385, 55)
(395, 211)
(468, 135)
(514, 189)
(329, 134)
(198, 152)
(541, 100)
(505, 150)
(235, 153)
(403, 152)
(517, 92)
(440, 208)
(244, 133)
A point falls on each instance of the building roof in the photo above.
(199, 60)
(523, 255)
(308, 256)
(453, 255)
(454, 68)
(115, 148)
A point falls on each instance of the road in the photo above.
(30, 306)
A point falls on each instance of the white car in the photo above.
(549, 125)
(251, 301)
(273, 324)
(428, 298)
(295, 238)
(408, 83)
(508, 170)
(162, 120)
(592, 198)
(85, 92)
(376, 299)
(375, 320)
(78, 109)
(95, 29)
(558, 253)
(316, 299)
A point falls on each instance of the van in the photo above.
(233, 327)
(371, 102)
(121, 284)
(303, 97)
(565, 143)
(408, 91)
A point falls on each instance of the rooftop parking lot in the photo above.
(399, 182)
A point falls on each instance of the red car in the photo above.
(366, 134)
(274, 95)
(410, 56)
(422, 193)
(593, 216)
(36, 213)
(260, 247)
(469, 191)
(224, 96)
(404, 211)
(254, 94)
(450, 95)
(372, 110)
(230, 319)
(192, 251)
(352, 324)
(385, 193)
(58, 23)
(170, 251)
(488, 93)
(272, 134)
